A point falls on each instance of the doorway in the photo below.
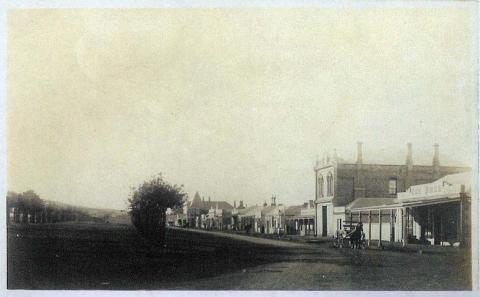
(324, 221)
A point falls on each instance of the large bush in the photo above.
(148, 204)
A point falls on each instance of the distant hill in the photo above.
(28, 207)
(107, 215)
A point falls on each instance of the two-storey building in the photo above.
(338, 183)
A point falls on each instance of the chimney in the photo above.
(409, 161)
(359, 153)
(241, 204)
(358, 187)
(436, 158)
(208, 198)
(436, 162)
(311, 204)
(234, 203)
(265, 203)
(409, 179)
(305, 205)
(273, 200)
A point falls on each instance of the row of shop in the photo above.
(270, 218)
(406, 203)
(276, 219)
(435, 213)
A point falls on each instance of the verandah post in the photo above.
(392, 238)
(380, 228)
(404, 227)
(369, 227)
(351, 220)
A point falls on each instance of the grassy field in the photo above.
(108, 256)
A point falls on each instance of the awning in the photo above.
(396, 204)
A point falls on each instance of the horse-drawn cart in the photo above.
(354, 239)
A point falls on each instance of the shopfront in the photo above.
(437, 213)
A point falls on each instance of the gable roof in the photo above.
(197, 202)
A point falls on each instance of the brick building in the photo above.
(338, 183)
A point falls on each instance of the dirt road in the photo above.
(115, 257)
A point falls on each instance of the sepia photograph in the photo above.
(298, 147)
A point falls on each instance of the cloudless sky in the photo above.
(233, 103)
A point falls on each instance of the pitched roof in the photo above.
(267, 209)
(369, 202)
(251, 210)
(197, 202)
(273, 210)
(293, 210)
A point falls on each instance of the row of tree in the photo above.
(29, 208)
(148, 204)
